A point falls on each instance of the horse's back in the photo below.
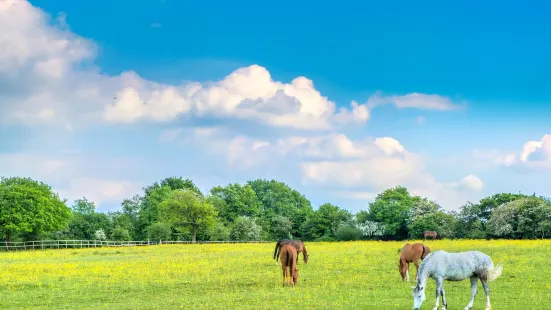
(287, 252)
(458, 265)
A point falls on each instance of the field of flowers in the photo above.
(351, 275)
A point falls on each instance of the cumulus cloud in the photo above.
(352, 169)
(47, 76)
(533, 155)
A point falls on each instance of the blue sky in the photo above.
(450, 100)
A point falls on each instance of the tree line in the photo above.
(175, 209)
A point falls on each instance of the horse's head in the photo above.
(305, 258)
(295, 276)
(418, 297)
(401, 269)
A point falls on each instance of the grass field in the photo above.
(351, 275)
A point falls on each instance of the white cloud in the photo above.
(534, 155)
(47, 77)
(74, 175)
(351, 168)
(414, 100)
(47, 70)
(99, 190)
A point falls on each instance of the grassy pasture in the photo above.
(350, 275)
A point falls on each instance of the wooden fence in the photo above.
(79, 244)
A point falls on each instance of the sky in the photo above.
(338, 100)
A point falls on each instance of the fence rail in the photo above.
(79, 244)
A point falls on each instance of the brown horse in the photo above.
(411, 253)
(299, 246)
(430, 233)
(288, 257)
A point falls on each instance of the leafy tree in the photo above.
(159, 231)
(370, 229)
(149, 211)
(486, 205)
(278, 199)
(100, 235)
(422, 207)
(391, 208)
(281, 227)
(154, 195)
(28, 206)
(186, 210)
(348, 233)
(325, 221)
(468, 223)
(239, 201)
(503, 220)
(438, 221)
(86, 221)
(219, 232)
(534, 217)
(246, 229)
(120, 234)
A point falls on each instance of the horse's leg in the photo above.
(416, 268)
(439, 291)
(443, 294)
(474, 290)
(487, 292)
(284, 274)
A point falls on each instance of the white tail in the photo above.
(494, 273)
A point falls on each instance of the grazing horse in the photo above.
(441, 265)
(430, 233)
(411, 253)
(288, 257)
(299, 246)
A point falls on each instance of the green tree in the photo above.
(154, 195)
(159, 231)
(348, 233)
(219, 232)
(185, 210)
(391, 208)
(120, 234)
(281, 227)
(534, 217)
(278, 199)
(503, 220)
(86, 221)
(326, 220)
(486, 205)
(439, 221)
(30, 207)
(239, 201)
(246, 229)
(149, 210)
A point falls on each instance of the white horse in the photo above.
(441, 265)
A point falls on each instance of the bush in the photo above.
(246, 229)
(100, 234)
(120, 234)
(219, 232)
(348, 233)
(159, 231)
(325, 238)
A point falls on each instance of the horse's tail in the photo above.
(276, 250)
(492, 273)
(423, 253)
